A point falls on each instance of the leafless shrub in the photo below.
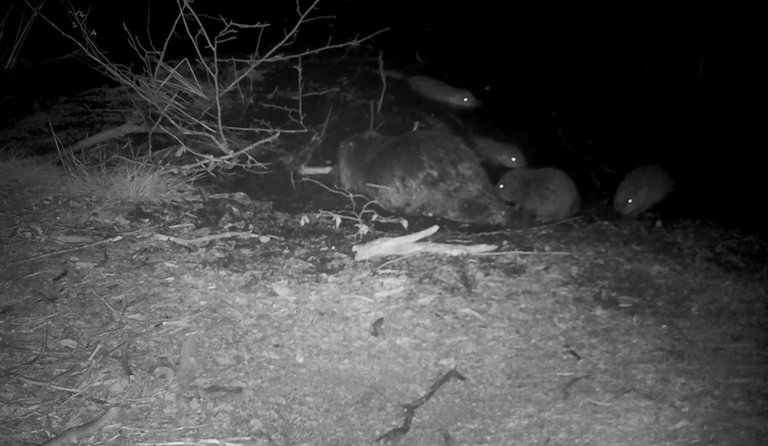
(14, 30)
(188, 98)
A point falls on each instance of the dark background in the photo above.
(625, 84)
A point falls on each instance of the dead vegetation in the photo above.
(225, 320)
(280, 339)
(15, 26)
(200, 101)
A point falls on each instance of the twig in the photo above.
(313, 170)
(50, 386)
(383, 76)
(63, 251)
(106, 135)
(78, 433)
(410, 408)
(234, 155)
(22, 32)
(125, 360)
(206, 239)
(406, 244)
(357, 217)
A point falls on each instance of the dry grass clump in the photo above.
(128, 181)
(121, 181)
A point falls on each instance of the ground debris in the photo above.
(76, 434)
(408, 244)
(410, 408)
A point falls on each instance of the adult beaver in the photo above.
(428, 173)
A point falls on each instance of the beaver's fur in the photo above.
(547, 194)
(641, 189)
(428, 173)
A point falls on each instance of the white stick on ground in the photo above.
(408, 244)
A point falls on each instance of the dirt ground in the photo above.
(591, 331)
(240, 316)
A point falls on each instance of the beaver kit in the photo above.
(546, 194)
(641, 189)
(427, 173)
(436, 90)
(442, 92)
(497, 153)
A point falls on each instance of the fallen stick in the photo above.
(316, 170)
(409, 409)
(106, 135)
(63, 251)
(408, 244)
(78, 433)
(208, 238)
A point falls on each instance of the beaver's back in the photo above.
(428, 173)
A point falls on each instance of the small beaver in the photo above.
(546, 194)
(641, 189)
(427, 173)
(496, 153)
(437, 90)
